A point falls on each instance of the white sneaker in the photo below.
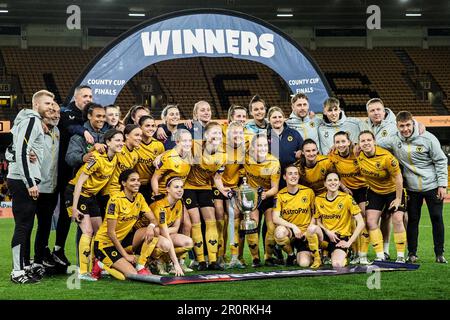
(364, 261)
(86, 277)
(221, 262)
(235, 264)
(185, 268)
(400, 260)
(161, 268)
(193, 264)
(355, 260)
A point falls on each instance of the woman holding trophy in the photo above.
(209, 160)
(262, 170)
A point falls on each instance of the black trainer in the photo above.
(60, 257)
(215, 267)
(202, 266)
(256, 263)
(270, 262)
(412, 258)
(387, 257)
(36, 271)
(441, 259)
(48, 260)
(279, 256)
(23, 278)
(290, 260)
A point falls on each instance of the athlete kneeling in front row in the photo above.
(334, 212)
(293, 217)
(116, 240)
(169, 213)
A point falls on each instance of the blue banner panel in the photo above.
(209, 33)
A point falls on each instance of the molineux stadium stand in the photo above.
(355, 75)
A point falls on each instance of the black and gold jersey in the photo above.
(126, 213)
(126, 159)
(314, 177)
(379, 170)
(147, 153)
(297, 208)
(99, 169)
(264, 173)
(336, 215)
(348, 170)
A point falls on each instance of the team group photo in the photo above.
(308, 188)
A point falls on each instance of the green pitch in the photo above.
(431, 281)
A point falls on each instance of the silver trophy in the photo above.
(247, 200)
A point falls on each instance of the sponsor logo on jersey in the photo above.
(290, 138)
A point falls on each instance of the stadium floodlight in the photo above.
(135, 14)
(409, 14)
(4, 11)
(285, 15)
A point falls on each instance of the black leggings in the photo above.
(63, 225)
(24, 209)
(435, 208)
(45, 206)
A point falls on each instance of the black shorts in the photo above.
(218, 195)
(381, 202)
(146, 191)
(360, 195)
(332, 245)
(194, 198)
(88, 206)
(300, 244)
(109, 255)
(265, 204)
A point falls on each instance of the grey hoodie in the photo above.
(307, 127)
(78, 146)
(327, 130)
(49, 169)
(424, 163)
(28, 136)
(386, 128)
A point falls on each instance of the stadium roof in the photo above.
(340, 13)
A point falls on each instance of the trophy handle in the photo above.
(260, 191)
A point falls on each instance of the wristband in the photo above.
(152, 225)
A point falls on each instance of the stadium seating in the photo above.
(355, 74)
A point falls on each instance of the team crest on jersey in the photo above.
(322, 206)
(216, 192)
(384, 133)
(188, 201)
(177, 166)
(326, 134)
(355, 162)
(378, 165)
(114, 253)
(162, 217)
(83, 207)
(399, 145)
(394, 163)
(290, 138)
(111, 208)
(322, 171)
(311, 124)
(304, 199)
(340, 205)
(419, 148)
(91, 162)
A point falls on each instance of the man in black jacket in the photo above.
(71, 123)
